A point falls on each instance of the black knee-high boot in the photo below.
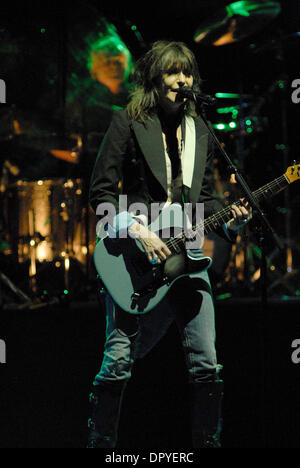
(106, 403)
(206, 419)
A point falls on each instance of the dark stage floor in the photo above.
(53, 354)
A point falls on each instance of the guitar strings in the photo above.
(215, 220)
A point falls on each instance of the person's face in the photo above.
(115, 66)
(175, 79)
(109, 70)
(111, 67)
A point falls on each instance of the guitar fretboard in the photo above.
(216, 220)
(267, 191)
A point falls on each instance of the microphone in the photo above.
(197, 97)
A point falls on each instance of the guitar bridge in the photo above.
(135, 298)
(147, 291)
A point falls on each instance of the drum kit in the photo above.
(47, 224)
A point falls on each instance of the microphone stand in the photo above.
(265, 224)
(264, 227)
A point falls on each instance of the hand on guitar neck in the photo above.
(241, 215)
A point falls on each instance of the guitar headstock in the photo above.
(293, 172)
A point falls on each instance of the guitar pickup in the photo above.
(141, 264)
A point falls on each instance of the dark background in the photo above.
(53, 353)
(38, 67)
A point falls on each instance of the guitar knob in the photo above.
(165, 280)
(135, 297)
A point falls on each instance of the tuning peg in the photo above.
(293, 167)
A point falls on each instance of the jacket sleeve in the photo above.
(212, 201)
(108, 169)
(107, 174)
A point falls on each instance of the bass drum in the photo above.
(48, 216)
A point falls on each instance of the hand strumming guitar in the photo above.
(155, 249)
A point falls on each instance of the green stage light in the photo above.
(227, 95)
(227, 110)
(224, 296)
(245, 7)
(238, 8)
(232, 125)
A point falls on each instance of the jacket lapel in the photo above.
(150, 140)
(200, 159)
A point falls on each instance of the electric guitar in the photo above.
(135, 284)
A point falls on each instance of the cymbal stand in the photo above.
(4, 280)
(67, 216)
(32, 267)
(283, 80)
(288, 218)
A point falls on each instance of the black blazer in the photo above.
(133, 153)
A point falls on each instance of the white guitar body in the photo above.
(134, 284)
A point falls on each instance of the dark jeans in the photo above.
(190, 304)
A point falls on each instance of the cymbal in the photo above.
(275, 43)
(32, 123)
(236, 21)
(69, 156)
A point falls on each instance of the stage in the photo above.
(53, 354)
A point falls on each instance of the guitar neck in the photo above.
(269, 190)
(218, 219)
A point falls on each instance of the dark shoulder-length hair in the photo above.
(163, 57)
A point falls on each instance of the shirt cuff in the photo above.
(231, 235)
(194, 254)
(121, 223)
